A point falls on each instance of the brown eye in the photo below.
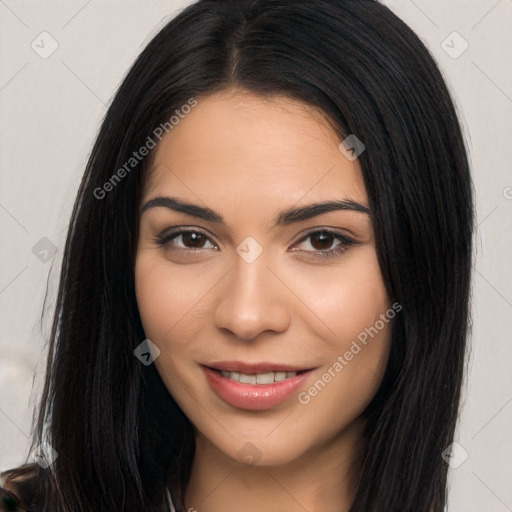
(193, 239)
(324, 243)
(186, 239)
(322, 240)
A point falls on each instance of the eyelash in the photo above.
(345, 242)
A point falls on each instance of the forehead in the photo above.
(236, 144)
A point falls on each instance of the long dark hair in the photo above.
(120, 438)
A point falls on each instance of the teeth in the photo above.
(265, 378)
(247, 379)
(259, 378)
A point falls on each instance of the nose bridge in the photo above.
(249, 281)
(252, 301)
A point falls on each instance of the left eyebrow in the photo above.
(287, 217)
(283, 218)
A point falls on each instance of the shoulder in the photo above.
(19, 484)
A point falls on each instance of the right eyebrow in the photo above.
(181, 206)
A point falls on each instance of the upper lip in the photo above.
(252, 368)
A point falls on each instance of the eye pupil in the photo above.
(321, 241)
(195, 240)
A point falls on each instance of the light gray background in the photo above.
(51, 110)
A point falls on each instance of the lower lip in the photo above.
(253, 397)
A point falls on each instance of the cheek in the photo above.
(167, 316)
(168, 299)
(346, 300)
(347, 383)
(353, 305)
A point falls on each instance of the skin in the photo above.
(249, 158)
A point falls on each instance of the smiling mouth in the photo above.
(255, 387)
(259, 378)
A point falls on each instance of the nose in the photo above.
(252, 302)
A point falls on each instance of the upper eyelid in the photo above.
(184, 229)
(332, 231)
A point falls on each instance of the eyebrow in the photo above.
(283, 218)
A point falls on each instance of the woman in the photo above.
(264, 296)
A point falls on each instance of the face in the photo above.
(257, 278)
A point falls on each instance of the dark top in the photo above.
(17, 489)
